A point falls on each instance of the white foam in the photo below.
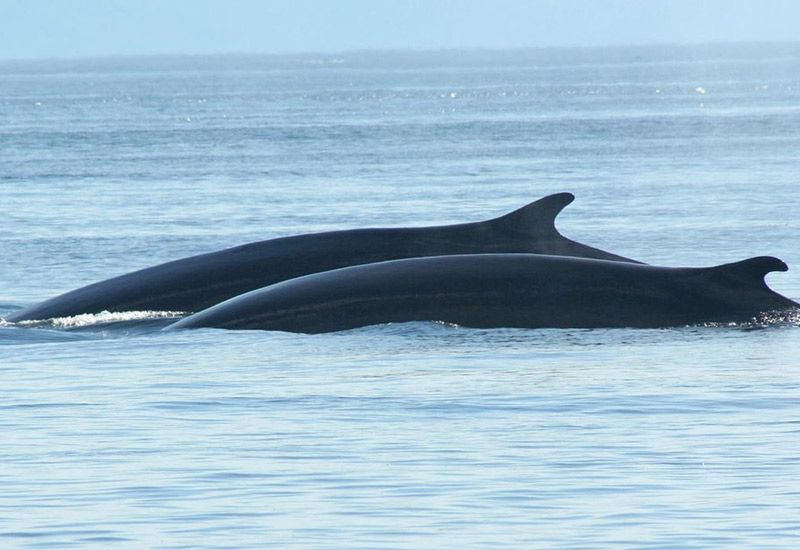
(787, 318)
(104, 317)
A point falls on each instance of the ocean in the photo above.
(418, 435)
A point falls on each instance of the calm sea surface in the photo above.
(413, 435)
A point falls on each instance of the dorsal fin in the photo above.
(534, 226)
(536, 218)
(752, 270)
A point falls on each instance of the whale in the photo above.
(195, 283)
(504, 290)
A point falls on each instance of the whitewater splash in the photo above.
(789, 318)
(90, 319)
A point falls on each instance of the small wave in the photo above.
(91, 319)
(784, 318)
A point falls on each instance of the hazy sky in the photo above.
(77, 28)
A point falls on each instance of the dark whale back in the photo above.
(504, 290)
(197, 282)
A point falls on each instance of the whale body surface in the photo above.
(504, 290)
(197, 282)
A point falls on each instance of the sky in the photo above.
(31, 29)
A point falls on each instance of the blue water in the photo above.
(412, 435)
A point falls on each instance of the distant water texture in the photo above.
(420, 435)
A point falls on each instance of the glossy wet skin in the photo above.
(504, 290)
(195, 283)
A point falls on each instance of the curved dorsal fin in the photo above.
(752, 270)
(536, 218)
(534, 226)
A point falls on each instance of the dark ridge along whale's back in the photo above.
(197, 282)
(504, 290)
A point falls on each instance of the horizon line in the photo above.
(395, 51)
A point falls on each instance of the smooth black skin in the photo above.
(195, 283)
(504, 290)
